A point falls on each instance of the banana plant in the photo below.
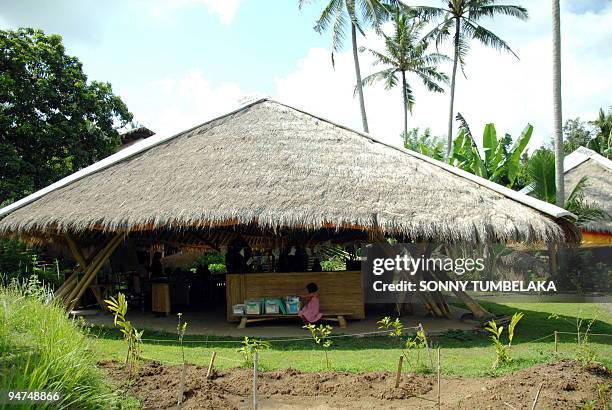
(502, 157)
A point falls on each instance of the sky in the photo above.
(178, 63)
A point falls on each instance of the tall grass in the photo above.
(42, 349)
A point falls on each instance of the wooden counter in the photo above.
(339, 291)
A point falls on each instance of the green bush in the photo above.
(42, 349)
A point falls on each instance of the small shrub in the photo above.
(321, 336)
(416, 343)
(502, 351)
(250, 347)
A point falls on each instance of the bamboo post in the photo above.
(92, 270)
(76, 252)
(537, 396)
(255, 380)
(210, 365)
(71, 281)
(398, 376)
(426, 344)
(439, 368)
(67, 286)
(556, 341)
(87, 271)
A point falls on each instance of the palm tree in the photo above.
(542, 173)
(336, 15)
(406, 52)
(460, 21)
(557, 114)
(602, 143)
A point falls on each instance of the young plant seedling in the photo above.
(502, 351)
(181, 327)
(132, 337)
(249, 348)
(396, 331)
(321, 336)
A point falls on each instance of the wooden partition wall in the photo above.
(339, 291)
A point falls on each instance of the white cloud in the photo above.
(499, 88)
(225, 9)
(173, 104)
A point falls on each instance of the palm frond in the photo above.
(339, 27)
(409, 100)
(327, 16)
(541, 171)
(487, 37)
(493, 10)
(586, 212)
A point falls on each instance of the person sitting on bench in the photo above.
(310, 311)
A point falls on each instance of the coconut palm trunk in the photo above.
(557, 108)
(449, 136)
(364, 118)
(405, 94)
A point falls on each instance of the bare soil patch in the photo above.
(567, 385)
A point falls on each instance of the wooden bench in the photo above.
(334, 317)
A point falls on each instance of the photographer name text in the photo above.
(472, 285)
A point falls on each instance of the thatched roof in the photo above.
(276, 166)
(587, 163)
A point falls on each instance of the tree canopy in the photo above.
(52, 120)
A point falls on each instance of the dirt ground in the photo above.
(567, 385)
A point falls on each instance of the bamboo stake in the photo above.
(398, 376)
(426, 344)
(210, 365)
(439, 368)
(255, 380)
(556, 341)
(535, 400)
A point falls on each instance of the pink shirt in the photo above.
(310, 312)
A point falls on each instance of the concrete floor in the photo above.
(211, 322)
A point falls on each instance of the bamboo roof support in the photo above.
(92, 270)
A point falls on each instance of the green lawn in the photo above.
(464, 353)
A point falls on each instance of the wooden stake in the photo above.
(398, 376)
(255, 381)
(182, 391)
(426, 345)
(439, 368)
(210, 365)
(535, 400)
(556, 341)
